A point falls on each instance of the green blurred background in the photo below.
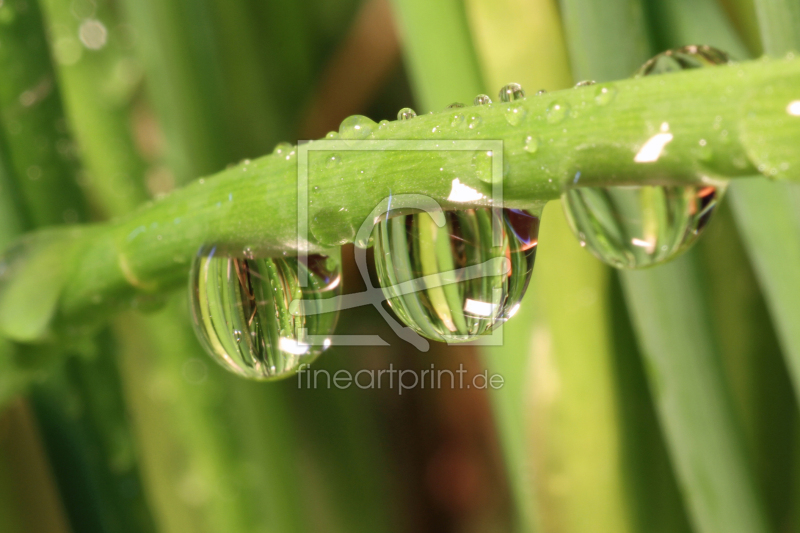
(638, 402)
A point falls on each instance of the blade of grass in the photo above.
(439, 52)
(765, 212)
(669, 314)
(97, 80)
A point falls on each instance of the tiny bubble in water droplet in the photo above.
(511, 92)
(406, 114)
(482, 99)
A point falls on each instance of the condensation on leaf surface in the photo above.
(449, 283)
(240, 307)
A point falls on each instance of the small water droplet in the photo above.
(685, 58)
(605, 94)
(406, 114)
(482, 99)
(458, 119)
(241, 310)
(333, 161)
(281, 149)
(474, 285)
(540, 92)
(584, 83)
(515, 113)
(384, 124)
(474, 122)
(531, 144)
(455, 105)
(332, 135)
(557, 112)
(356, 127)
(511, 92)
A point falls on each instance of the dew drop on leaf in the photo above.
(449, 283)
(242, 316)
(406, 114)
(482, 99)
(511, 92)
(638, 227)
(356, 127)
(557, 112)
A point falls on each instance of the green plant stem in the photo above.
(254, 204)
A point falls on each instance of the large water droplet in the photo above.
(406, 114)
(356, 127)
(241, 311)
(449, 283)
(637, 227)
(511, 92)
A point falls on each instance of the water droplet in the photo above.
(515, 113)
(455, 105)
(540, 92)
(511, 92)
(332, 135)
(458, 119)
(356, 127)
(384, 124)
(605, 95)
(474, 122)
(333, 161)
(685, 58)
(531, 144)
(557, 112)
(482, 99)
(466, 286)
(241, 311)
(584, 83)
(637, 227)
(406, 114)
(281, 149)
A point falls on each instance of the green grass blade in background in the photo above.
(438, 52)
(608, 38)
(698, 420)
(97, 76)
(687, 381)
(30, 108)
